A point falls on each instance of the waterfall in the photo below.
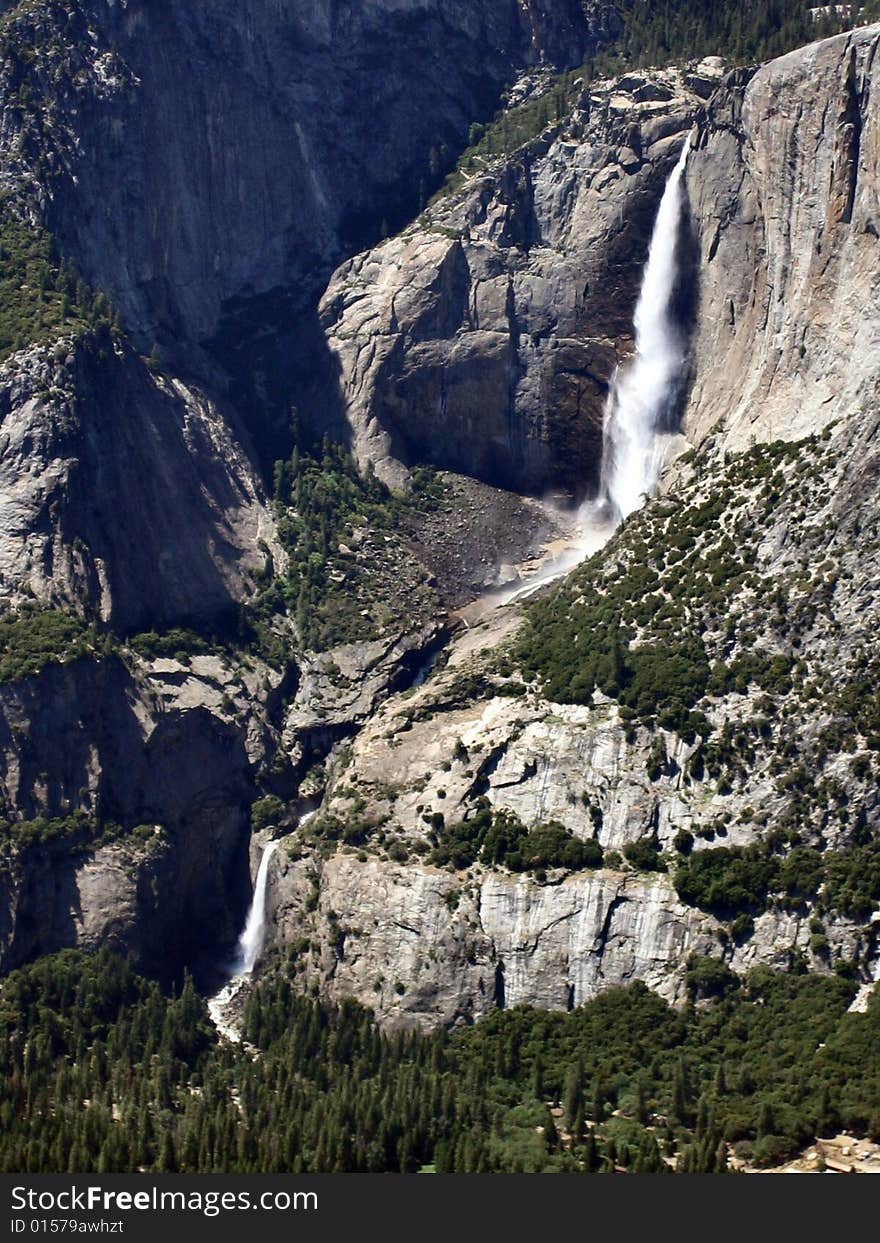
(645, 390)
(225, 1005)
(250, 943)
(635, 442)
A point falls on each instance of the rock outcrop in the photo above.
(485, 337)
(167, 750)
(421, 949)
(123, 495)
(339, 691)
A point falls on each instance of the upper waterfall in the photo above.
(644, 390)
(643, 394)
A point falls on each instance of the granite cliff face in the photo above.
(214, 207)
(784, 186)
(421, 949)
(123, 495)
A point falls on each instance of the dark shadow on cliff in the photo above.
(149, 494)
(192, 775)
(46, 905)
(169, 904)
(283, 382)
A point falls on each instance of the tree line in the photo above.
(100, 1071)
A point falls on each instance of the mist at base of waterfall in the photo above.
(595, 526)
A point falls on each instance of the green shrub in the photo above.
(266, 811)
(726, 880)
(801, 873)
(330, 592)
(742, 927)
(744, 31)
(730, 881)
(545, 846)
(499, 839)
(774, 1150)
(460, 843)
(853, 880)
(644, 855)
(78, 833)
(175, 644)
(709, 977)
(41, 297)
(32, 638)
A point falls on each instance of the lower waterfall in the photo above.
(248, 951)
(250, 943)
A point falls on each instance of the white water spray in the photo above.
(643, 393)
(248, 950)
(250, 943)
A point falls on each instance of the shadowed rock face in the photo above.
(121, 494)
(225, 148)
(92, 735)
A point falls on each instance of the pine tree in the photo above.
(598, 1106)
(538, 1078)
(641, 1103)
(167, 1160)
(573, 1094)
(702, 1117)
(679, 1095)
(720, 1080)
(765, 1120)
